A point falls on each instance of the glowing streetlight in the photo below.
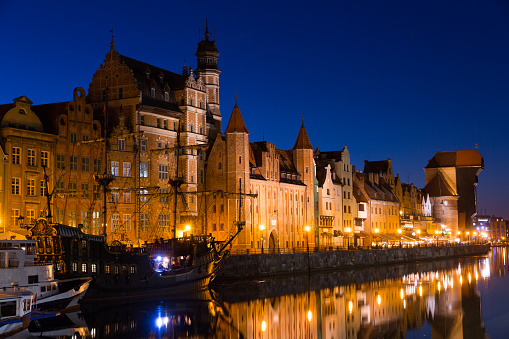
(262, 228)
(350, 306)
(377, 230)
(379, 300)
(264, 326)
(307, 229)
(310, 315)
(348, 230)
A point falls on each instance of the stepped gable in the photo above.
(236, 123)
(302, 141)
(381, 166)
(438, 187)
(464, 158)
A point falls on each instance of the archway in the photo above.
(272, 242)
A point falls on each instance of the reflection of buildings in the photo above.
(393, 308)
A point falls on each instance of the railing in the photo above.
(343, 248)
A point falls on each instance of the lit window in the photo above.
(143, 145)
(114, 168)
(16, 151)
(126, 169)
(144, 170)
(31, 187)
(75, 267)
(94, 268)
(121, 144)
(15, 187)
(31, 157)
(107, 269)
(84, 268)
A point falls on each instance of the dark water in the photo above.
(460, 298)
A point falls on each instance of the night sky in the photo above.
(388, 79)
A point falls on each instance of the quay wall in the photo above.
(238, 267)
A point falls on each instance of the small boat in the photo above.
(15, 309)
(70, 324)
(17, 270)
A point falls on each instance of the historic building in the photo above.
(28, 151)
(268, 190)
(450, 180)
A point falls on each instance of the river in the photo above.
(458, 298)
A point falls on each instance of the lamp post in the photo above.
(468, 237)
(399, 232)
(307, 229)
(377, 230)
(187, 230)
(347, 231)
(262, 228)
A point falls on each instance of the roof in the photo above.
(438, 187)
(49, 113)
(236, 123)
(302, 141)
(332, 155)
(68, 231)
(381, 166)
(465, 158)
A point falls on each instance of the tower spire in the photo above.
(207, 30)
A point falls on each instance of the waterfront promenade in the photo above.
(250, 266)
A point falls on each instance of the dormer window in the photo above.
(153, 92)
(166, 96)
(22, 111)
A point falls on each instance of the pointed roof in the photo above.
(302, 141)
(462, 158)
(236, 123)
(439, 187)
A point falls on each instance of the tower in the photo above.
(207, 70)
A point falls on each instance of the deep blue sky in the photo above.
(388, 79)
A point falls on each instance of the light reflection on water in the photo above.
(425, 300)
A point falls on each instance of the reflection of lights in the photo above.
(404, 303)
(92, 332)
(439, 286)
(469, 278)
(162, 321)
(264, 326)
(401, 294)
(350, 306)
(461, 280)
(158, 258)
(310, 315)
(476, 275)
(379, 299)
(436, 275)
(420, 291)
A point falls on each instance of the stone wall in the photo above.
(266, 265)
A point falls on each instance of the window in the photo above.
(60, 161)
(201, 177)
(30, 217)
(97, 165)
(73, 162)
(143, 145)
(166, 96)
(165, 124)
(361, 207)
(121, 144)
(159, 145)
(158, 123)
(114, 195)
(72, 189)
(95, 222)
(133, 270)
(201, 129)
(44, 158)
(31, 187)
(72, 218)
(16, 152)
(85, 164)
(191, 128)
(144, 222)
(94, 268)
(44, 189)
(120, 93)
(126, 197)
(163, 195)
(192, 178)
(142, 120)
(114, 168)
(201, 104)
(31, 157)
(143, 195)
(60, 187)
(84, 221)
(114, 222)
(60, 216)
(126, 169)
(15, 186)
(84, 268)
(143, 169)
(73, 137)
(163, 222)
(75, 267)
(84, 137)
(127, 222)
(153, 92)
(107, 269)
(163, 172)
(96, 194)
(201, 154)
(191, 101)
(84, 190)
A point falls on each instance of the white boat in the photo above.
(17, 269)
(15, 308)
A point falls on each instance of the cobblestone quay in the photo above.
(268, 265)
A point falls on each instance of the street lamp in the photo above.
(377, 230)
(399, 232)
(307, 229)
(262, 228)
(348, 230)
(187, 229)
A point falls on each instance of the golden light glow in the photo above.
(348, 229)
(468, 233)
(264, 326)
(420, 291)
(404, 303)
(469, 278)
(418, 231)
(439, 286)
(188, 228)
(379, 299)
(307, 228)
(459, 233)
(262, 227)
(350, 306)
(401, 294)
(400, 231)
(475, 233)
(476, 275)
(461, 280)
(377, 230)
(310, 315)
